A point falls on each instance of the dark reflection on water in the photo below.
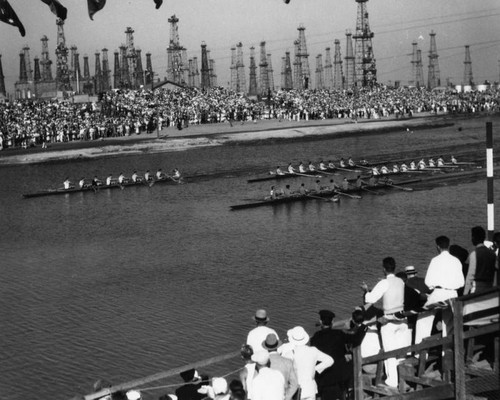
(121, 284)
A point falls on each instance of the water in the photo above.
(123, 284)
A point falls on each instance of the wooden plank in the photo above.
(483, 384)
(433, 393)
(358, 373)
(161, 375)
(422, 381)
(458, 349)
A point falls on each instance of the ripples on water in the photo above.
(122, 284)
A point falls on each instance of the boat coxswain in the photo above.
(279, 171)
(311, 167)
(322, 166)
(413, 166)
(302, 168)
(67, 184)
(291, 169)
(384, 169)
(342, 163)
(351, 163)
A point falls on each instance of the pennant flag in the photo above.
(57, 8)
(158, 3)
(94, 6)
(9, 16)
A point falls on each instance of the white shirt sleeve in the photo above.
(377, 292)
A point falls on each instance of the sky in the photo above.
(221, 24)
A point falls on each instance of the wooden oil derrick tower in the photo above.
(366, 71)
(196, 75)
(191, 73)
(205, 72)
(297, 66)
(29, 70)
(213, 74)
(338, 75)
(97, 73)
(139, 71)
(106, 82)
(350, 71)
(117, 75)
(45, 62)
(25, 87)
(319, 71)
(328, 71)
(241, 82)
(37, 77)
(304, 58)
(62, 70)
(288, 72)
(131, 56)
(417, 71)
(270, 72)
(252, 86)
(468, 79)
(433, 79)
(176, 60)
(419, 77)
(263, 71)
(149, 70)
(124, 77)
(88, 86)
(77, 77)
(72, 51)
(234, 72)
(2, 79)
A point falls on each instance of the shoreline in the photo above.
(209, 135)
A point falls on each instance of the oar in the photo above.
(371, 191)
(308, 176)
(362, 166)
(352, 196)
(347, 169)
(319, 198)
(326, 173)
(406, 189)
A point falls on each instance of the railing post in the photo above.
(458, 349)
(357, 362)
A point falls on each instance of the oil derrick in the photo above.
(23, 74)
(252, 85)
(131, 56)
(433, 79)
(29, 71)
(97, 74)
(149, 70)
(88, 86)
(191, 73)
(328, 71)
(350, 71)
(23, 86)
(196, 72)
(117, 75)
(37, 77)
(283, 68)
(319, 72)
(234, 74)
(366, 71)
(413, 78)
(124, 77)
(263, 72)
(62, 71)
(176, 70)
(106, 83)
(304, 58)
(2, 79)
(213, 74)
(139, 71)
(297, 67)
(270, 72)
(45, 62)
(205, 72)
(288, 72)
(72, 51)
(468, 80)
(241, 82)
(78, 75)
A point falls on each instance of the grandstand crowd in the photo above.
(118, 113)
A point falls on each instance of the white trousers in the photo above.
(394, 336)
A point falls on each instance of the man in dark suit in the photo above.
(332, 342)
(189, 391)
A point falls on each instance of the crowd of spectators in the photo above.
(131, 112)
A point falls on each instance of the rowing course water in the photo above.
(123, 284)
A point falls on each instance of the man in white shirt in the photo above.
(394, 332)
(444, 276)
(258, 334)
(268, 384)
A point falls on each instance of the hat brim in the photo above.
(278, 344)
(260, 319)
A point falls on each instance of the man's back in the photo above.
(258, 335)
(285, 366)
(331, 342)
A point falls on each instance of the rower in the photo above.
(272, 193)
(279, 171)
(311, 167)
(395, 168)
(302, 169)
(413, 166)
(375, 171)
(291, 170)
(67, 184)
(121, 178)
(373, 180)
(454, 160)
(403, 168)
(286, 191)
(81, 183)
(333, 186)
(432, 164)
(135, 177)
(147, 176)
(176, 174)
(360, 182)
(302, 189)
(440, 162)
(96, 182)
(345, 184)
(384, 169)
(317, 186)
(351, 163)
(342, 163)
(160, 174)
(109, 180)
(331, 165)
(322, 166)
